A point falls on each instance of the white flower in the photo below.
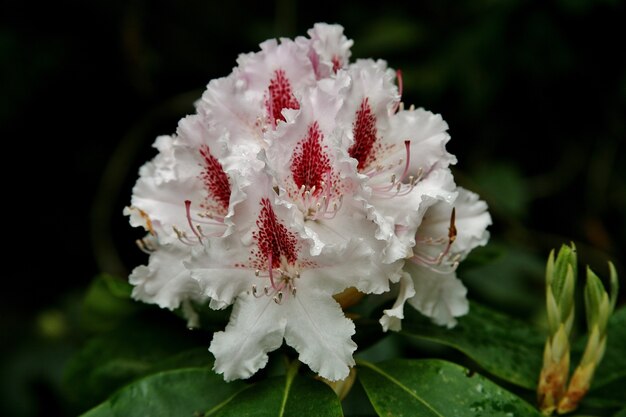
(301, 175)
(401, 155)
(280, 290)
(445, 237)
(182, 196)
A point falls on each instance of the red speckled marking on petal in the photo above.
(215, 180)
(280, 96)
(310, 164)
(364, 130)
(273, 238)
(337, 65)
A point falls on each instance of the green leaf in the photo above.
(507, 348)
(182, 392)
(103, 410)
(137, 348)
(107, 303)
(402, 387)
(192, 358)
(511, 349)
(201, 392)
(290, 395)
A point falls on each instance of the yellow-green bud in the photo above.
(561, 284)
(598, 306)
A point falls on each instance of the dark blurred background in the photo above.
(534, 93)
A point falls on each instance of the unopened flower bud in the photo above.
(599, 306)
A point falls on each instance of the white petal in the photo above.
(319, 331)
(215, 268)
(348, 224)
(428, 135)
(164, 203)
(319, 105)
(376, 82)
(165, 281)
(223, 266)
(162, 167)
(392, 318)
(332, 48)
(258, 68)
(175, 176)
(256, 327)
(338, 268)
(440, 296)
(471, 222)
(237, 103)
(398, 217)
(139, 218)
(228, 108)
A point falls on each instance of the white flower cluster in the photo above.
(302, 175)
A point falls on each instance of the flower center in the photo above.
(276, 255)
(313, 177)
(279, 97)
(274, 240)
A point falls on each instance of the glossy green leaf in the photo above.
(182, 392)
(290, 395)
(202, 392)
(103, 410)
(402, 387)
(192, 358)
(507, 348)
(137, 348)
(511, 349)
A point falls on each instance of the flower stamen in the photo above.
(145, 245)
(445, 261)
(397, 187)
(195, 229)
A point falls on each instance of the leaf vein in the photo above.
(400, 384)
